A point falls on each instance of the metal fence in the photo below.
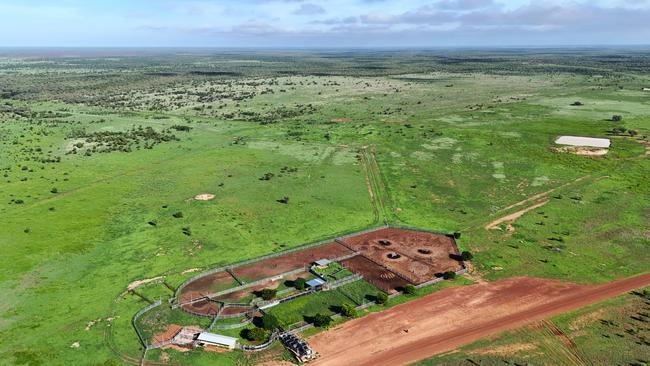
(344, 281)
(326, 240)
(262, 346)
(137, 316)
(239, 288)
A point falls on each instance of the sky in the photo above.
(314, 24)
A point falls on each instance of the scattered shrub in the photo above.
(409, 289)
(381, 298)
(269, 322)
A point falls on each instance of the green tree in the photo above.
(321, 320)
(466, 256)
(348, 310)
(409, 289)
(255, 334)
(270, 322)
(449, 275)
(268, 293)
(381, 298)
(300, 283)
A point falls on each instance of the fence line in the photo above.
(329, 238)
(233, 325)
(415, 228)
(138, 315)
(241, 287)
(344, 281)
(260, 347)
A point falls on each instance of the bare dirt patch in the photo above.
(272, 284)
(385, 280)
(341, 120)
(540, 196)
(135, 284)
(167, 334)
(207, 285)
(290, 261)
(191, 270)
(512, 217)
(455, 316)
(505, 350)
(582, 150)
(586, 319)
(414, 255)
(204, 197)
(203, 307)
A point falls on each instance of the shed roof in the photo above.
(582, 141)
(315, 282)
(217, 339)
(323, 262)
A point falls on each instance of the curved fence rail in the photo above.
(232, 325)
(328, 239)
(137, 316)
(262, 346)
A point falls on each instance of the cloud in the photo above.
(464, 4)
(309, 9)
(294, 23)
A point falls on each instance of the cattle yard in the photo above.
(389, 258)
(351, 269)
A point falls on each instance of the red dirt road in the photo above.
(456, 316)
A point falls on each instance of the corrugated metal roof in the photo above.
(217, 339)
(323, 262)
(315, 282)
(582, 141)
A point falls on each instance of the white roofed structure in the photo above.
(315, 282)
(583, 141)
(217, 340)
(323, 262)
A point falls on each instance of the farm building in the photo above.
(298, 347)
(187, 335)
(322, 263)
(211, 339)
(582, 141)
(315, 283)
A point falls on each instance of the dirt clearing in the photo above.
(513, 216)
(204, 197)
(456, 316)
(290, 261)
(416, 256)
(135, 284)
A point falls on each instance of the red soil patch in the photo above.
(455, 316)
(167, 335)
(385, 280)
(420, 255)
(236, 310)
(290, 261)
(207, 285)
(205, 307)
(238, 295)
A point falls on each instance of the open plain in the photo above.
(125, 175)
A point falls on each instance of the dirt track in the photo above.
(450, 318)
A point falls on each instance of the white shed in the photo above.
(322, 263)
(582, 141)
(212, 339)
